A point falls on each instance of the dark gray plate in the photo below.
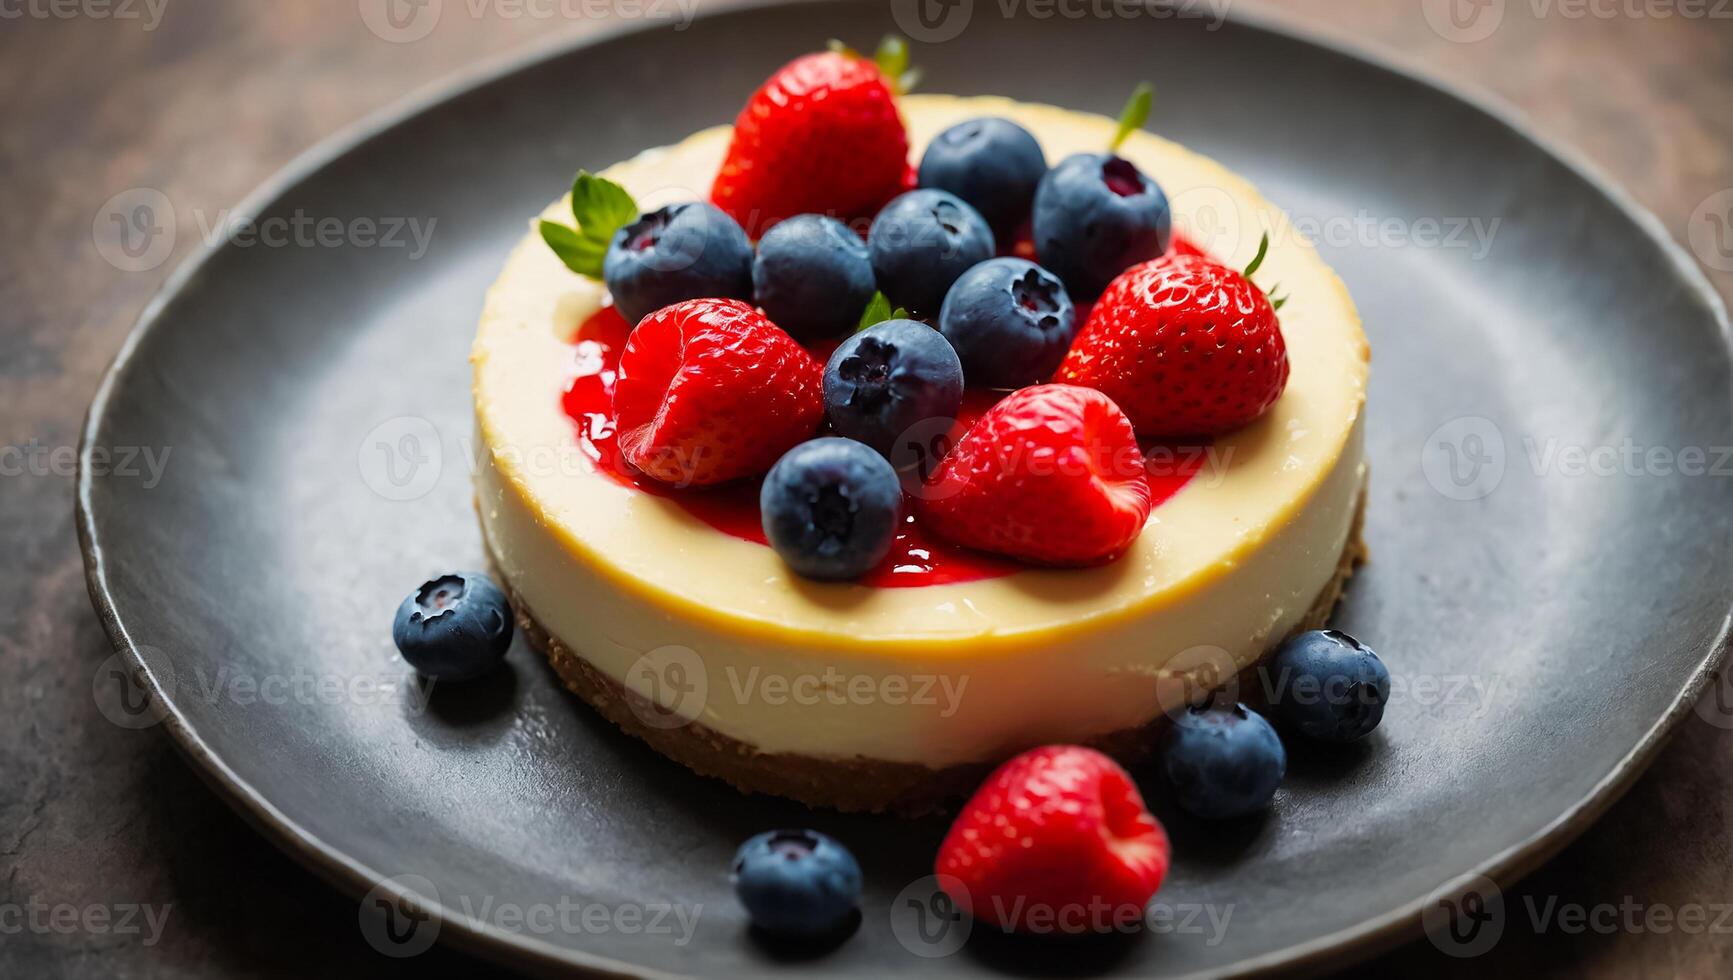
(1549, 617)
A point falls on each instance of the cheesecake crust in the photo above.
(857, 784)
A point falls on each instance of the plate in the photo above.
(1549, 579)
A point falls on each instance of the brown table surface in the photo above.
(204, 99)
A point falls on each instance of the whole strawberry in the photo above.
(1052, 474)
(1056, 840)
(822, 136)
(709, 390)
(1185, 345)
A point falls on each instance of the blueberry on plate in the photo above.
(1095, 216)
(921, 242)
(992, 163)
(1011, 322)
(831, 508)
(812, 276)
(1328, 686)
(682, 251)
(1223, 761)
(455, 627)
(796, 883)
(890, 378)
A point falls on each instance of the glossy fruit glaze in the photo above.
(918, 558)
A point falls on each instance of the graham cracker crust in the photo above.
(859, 784)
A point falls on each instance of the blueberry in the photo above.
(1095, 216)
(1223, 761)
(812, 276)
(994, 164)
(888, 379)
(1011, 322)
(1328, 686)
(796, 883)
(455, 627)
(831, 508)
(682, 251)
(921, 242)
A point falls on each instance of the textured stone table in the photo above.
(203, 99)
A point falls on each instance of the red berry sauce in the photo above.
(917, 558)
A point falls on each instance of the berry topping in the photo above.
(821, 136)
(890, 378)
(831, 508)
(1223, 761)
(921, 242)
(1052, 474)
(812, 276)
(455, 627)
(1056, 840)
(683, 251)
(1011, 322)
(1185, 345)
(1327, 685)
(1096, 214)
(994, 164)
(709, 390)
(796, 883)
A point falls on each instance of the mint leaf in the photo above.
(878, 310)
(600, 207)
(1134, 115)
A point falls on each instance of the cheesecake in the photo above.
(667, 612)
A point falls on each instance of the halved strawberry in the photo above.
(821, 136)
(1052, 474)
(709, 390)
(1057, 840)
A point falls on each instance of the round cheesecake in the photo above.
(865, 696)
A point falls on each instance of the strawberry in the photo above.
(709, 390)
(1056, 840)
(1052, 474)
(1185, 345)
(822, 136)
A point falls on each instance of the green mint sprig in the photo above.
(600, 207)
(1134, 115)
(878, 310)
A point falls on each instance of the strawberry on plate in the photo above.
(1057, 840)
(709, 390)
(1052, 474)
(1185, 345)
(821, 136)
